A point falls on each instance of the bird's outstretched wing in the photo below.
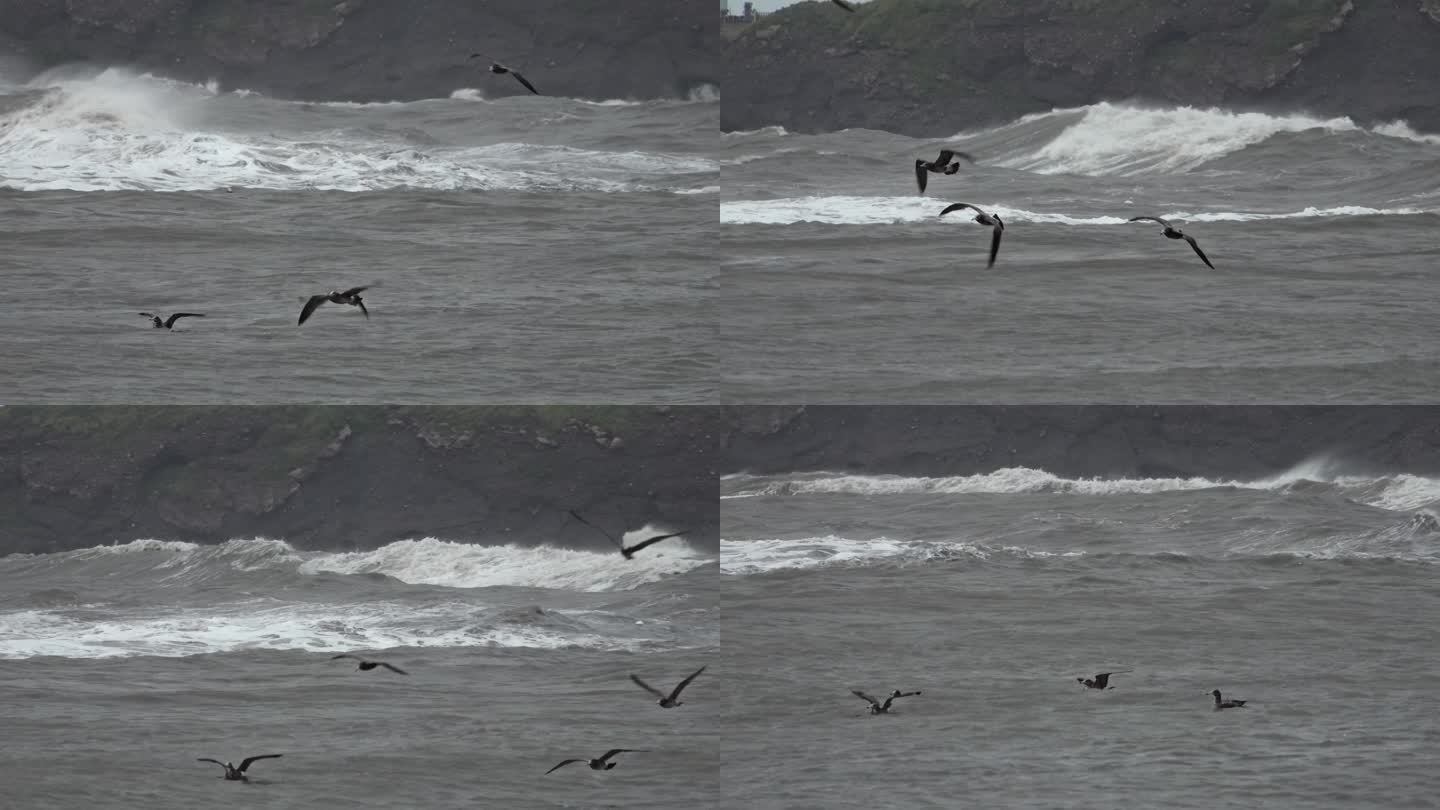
(1199, 252)
(920, 175)
(647, 687)
(844, 5)
(946, 155)
(608, 536)
(310, 305)
(957, 207)
(153, 315)
(1151, 219)
(392, 668)
(564, 763)
(964, 155)
(679, 688)
(522, 80)
(613, 751)
(177, 316)
(995, 235)
(862, 695)
(650, 541)
(207, 759)
(888, 701)
(245, 763)
(361, 304)
(346, 655)
(355, 290)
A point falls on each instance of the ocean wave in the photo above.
(852, 210)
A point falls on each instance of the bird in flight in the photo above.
(499, 69)
(671, 700)
(235, 774)
(1102, 680)
(627, 551)
(993, 220)
(169, 323)
(1175, 233)
(350, 296)
(876, 707)
(940, 165)
(600, 764)
(366, 666)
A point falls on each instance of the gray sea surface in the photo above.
(121, 665)
(1310, 598)
(526, 249)
(841, 283)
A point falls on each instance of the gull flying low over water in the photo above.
(876, 707)
(627, 551)
(350, 296)
(1175, 233)
(671, 700)
(601, 763)
(169, 323)
(500, 70)
(993, 220)
(1226, 704)
(940, 165)
(235, 774)
(1102, 680)
(366, 666)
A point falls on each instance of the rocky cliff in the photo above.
(931, 68)
(1080, 440)
(342, 477)
(367, 50)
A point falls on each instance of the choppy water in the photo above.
(842, 285)
(1306, 595)
(524, 249)
(120, 665)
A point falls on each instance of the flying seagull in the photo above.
(1102, 680)
(940, 165)
(499, 69)
(671, 700)
(235, 774)
(844, 5)
(876, 707)
(1175, 233)
(1226, 704)
(993, 220)
(598, 764)
(169, 323)
(627, 551)
(366, 666)
(350, 296)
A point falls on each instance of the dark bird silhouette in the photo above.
(844, 5)
(499, 69)
(1226, 704)
(876, 707)
(940, 165)
(1102, 680)
(627, 551)
(366, 666)
(350, 296)
(599, 764)
(1175, 233)
(169, 323)
(235, 774)
(671, 700)
(993, 220)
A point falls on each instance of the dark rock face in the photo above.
(1239, 441)
(932, 68)
(333, 477)
(368, 50)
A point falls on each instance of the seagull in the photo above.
(671, 700)
(499, 69)
(169, 323)
(629, 551)
(844, 5)
(983, 218)
(366, 666)
(1226, 704)
(350, 296)
(598, 764)
(235, 774)
(1174, 233)
(1102, 680)
(940, 165)
(876, 707)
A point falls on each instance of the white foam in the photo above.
(763, 556)
(854, 210)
